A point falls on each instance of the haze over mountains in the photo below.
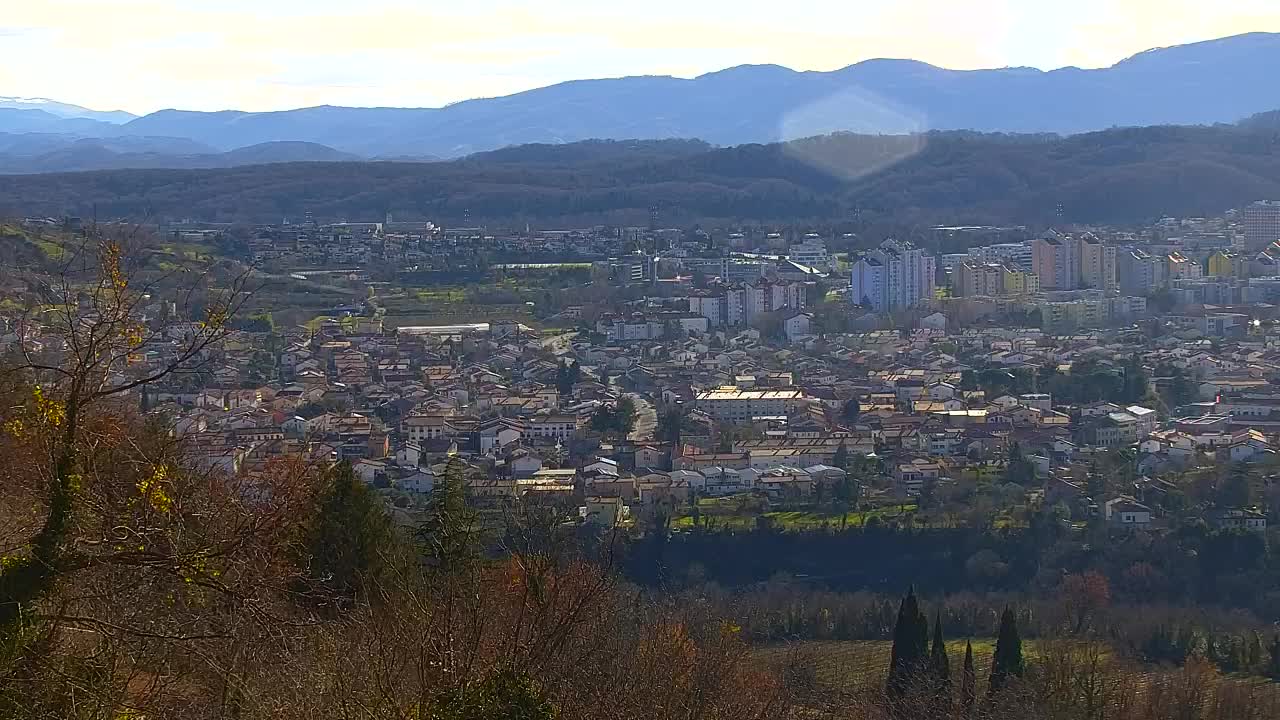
(1219, 81)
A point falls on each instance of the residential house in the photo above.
(1126, 513)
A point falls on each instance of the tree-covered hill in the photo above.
(1116, 176)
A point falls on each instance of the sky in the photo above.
(146, 55)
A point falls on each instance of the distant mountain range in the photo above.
(1219, 81)
(28, 153)
(66, 110)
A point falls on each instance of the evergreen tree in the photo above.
(1095, 483)
(1182, 390)
(840, 458)
(604, 420)
(347, 542)
(968, 680)
(939, 663)
(1007, 662)
(626, 415)
(850, 411)
(670, 425)
(1236, 491)
(1273, 667)
(1018, 470)
(910, 646)
(1135, 385)
(567, 375)
(449, 533)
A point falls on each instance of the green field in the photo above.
(860, 665)
(740, 512)
(441, 295)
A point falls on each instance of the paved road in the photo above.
(646, 419)
(560, 343)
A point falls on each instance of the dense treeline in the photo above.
(1121, 176)
(1192, 564)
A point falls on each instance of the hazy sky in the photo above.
(144, 55)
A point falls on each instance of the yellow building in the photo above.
(993, 280)
(1018, 282)
(1221, 265)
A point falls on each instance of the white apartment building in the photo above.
(743, 304)
(894, 276)
(419, 428)
(867, 285)
(712, 306)
(558, 427)
(812, 252)
(734, 405)
(1016, 253)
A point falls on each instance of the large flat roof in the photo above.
(736, 394)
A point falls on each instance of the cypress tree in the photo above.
(910, 646)
(968, 680)
(1007, 662)
(1253, 651)
(840, 458)
(939, 663)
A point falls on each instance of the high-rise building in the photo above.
(1017, 281)
(1227, 264)
(1009, 253)
(867, 283)
(979, 279)
(973, 279)
(738, 305)
(764, 296)
(1097, 264)
(1141, 273)
(1055, 259)
(894, 276)
(1261, 222)
(1182, 267)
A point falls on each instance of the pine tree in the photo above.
(968, 680)
(448, 533)
(1007, 662)
(346, 544)
(910, 646)
(1273, 667)
(626, 415)
(939, 663)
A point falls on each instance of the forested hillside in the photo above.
(1117, 176)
